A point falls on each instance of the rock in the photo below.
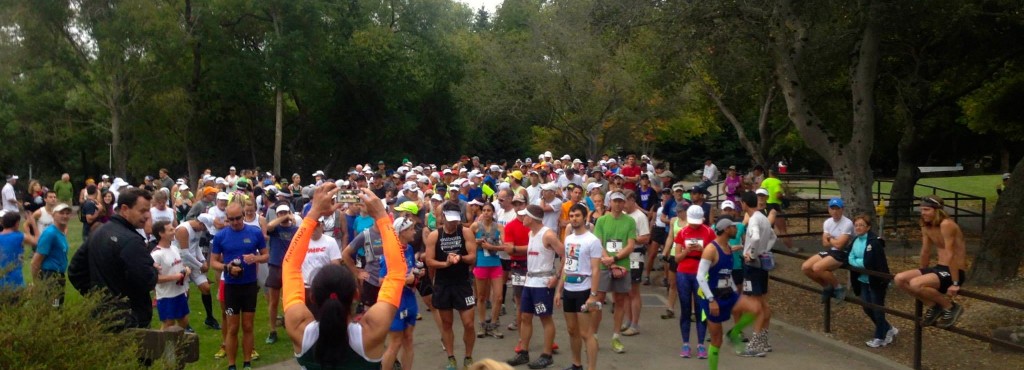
(1013, 334)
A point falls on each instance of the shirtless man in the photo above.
(937, 286)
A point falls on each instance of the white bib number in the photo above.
(540, 308)
(572, 264)
(634, 260)
(518, 279)
(470, 301)
(747, 287)
(613, 246)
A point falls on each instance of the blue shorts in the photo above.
(725, 306)
(407, 310)
(537, 301)
(173, 308)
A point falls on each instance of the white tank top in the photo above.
(255, 222)
(540, 261)
(44, 221)
(166, 215)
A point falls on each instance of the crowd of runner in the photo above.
(477, 240)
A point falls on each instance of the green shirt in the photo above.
(615, 233)
(64, 191)
(774, 187)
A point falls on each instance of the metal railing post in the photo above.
(918, 330)
(984, 214)
(827, 324)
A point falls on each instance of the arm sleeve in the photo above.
(294, 291)
(190, 260)
(391, 287)
(702, 278)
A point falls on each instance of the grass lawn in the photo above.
(982, 186)
(209, 339)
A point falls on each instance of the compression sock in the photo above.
(208, 304)
(713, 357)
(745, 320)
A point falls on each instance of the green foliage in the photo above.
(995, 108)
(35, 335)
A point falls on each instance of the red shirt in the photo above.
(519, 235)
(630, 171)
(689, 263)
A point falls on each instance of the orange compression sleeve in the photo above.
(391, 287)
(294, 291)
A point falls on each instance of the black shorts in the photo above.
(737, 278)
(777, 207)
(836, 254)
(636, 274)
(457, 296)
(506, 265)
(659, 235)
(755, 281)
(368, 296)
(572, 301)
(240, 298)
(425, 287)
(945, 278)
(273, 277)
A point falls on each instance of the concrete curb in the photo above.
(881, 361)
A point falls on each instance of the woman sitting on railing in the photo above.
(868, 252)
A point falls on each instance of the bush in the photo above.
(35, 335)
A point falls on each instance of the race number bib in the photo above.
(634, 260)
(572, 264)
(747, 287)
(470, 301)
(613, 246)
(518, 279)
(402, 315)
(694, 243)
(540, 308)
(724, 278)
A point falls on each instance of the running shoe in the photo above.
(419, 317)
(541, 362)
(554, 347)
(574, 367)
(890, 336)
(631, 331)
(669, 314)
(246, 367)
(521, 357)
(876, 343)
(839, 294)
(736, 338)
(485, 329)
(931, 315)
(466, 361)
(519, 347)
(625, 326)
(220, 354)
(949, 317)
(685, 351)
(212, 323)
(255, 355)
(272, 338)
(503, 312)
(512, 326)
(617, 346)
(452, 364)
(496, 331)
(702, 353)
(647, 280)
(752, 352)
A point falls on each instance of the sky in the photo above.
(489, 4)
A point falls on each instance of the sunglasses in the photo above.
(233, 219)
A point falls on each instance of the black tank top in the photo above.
(451, 243)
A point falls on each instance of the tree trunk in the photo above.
(1000, 256)
(849, 161)
(193, 93)
(120, 167)
(278, 128)
(902, 193)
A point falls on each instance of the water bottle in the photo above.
(237, 263)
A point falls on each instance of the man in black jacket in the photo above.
(116, 259)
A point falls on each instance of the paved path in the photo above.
(657, 347)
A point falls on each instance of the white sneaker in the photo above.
(890, 336)
(876, 343)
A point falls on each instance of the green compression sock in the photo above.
(713, 357)
(745, 320)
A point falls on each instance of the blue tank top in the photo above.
(485, 258)
(720, 275)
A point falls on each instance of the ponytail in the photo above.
(333, 291)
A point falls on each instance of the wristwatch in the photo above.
(593, 294)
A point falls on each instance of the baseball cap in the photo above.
(549, 186)
(728, 204)
(222, 196)
(282, 208)
(446, 171)
(104, 177)
(518, 198)
(318, 173)
(410, 186)
(409, 206)
(835, 202)
(761, 191)
(495, 168)
(182, 187)
(617, 195)
(437, 197)
(699, 190)
(518, 175)
(695, 215)
(678, 187)
(724, 223)
(566, 157)
(61, 207)
(232, 168)
(402, 224)
(452, 216)
(15, 177)
(532, 211)
(476, 201)
(1006, 176)
(207, 220)
(209, 190)
(592, 186)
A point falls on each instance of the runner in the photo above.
(50, 261)
(617, 232)
(577, 292)
(551, 205)
(538, 293)
(451, 250)
(188, 235)
(835, 237)
(773, 186)
(40, 218)
(400, 334)
(716, 268)
(171, 287)
(690, 243)
(517, 236)
(759, 240)
(937, 286)
(236, 250)
(280, 231)
(636, 263)
(488, 272)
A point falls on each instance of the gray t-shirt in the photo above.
(759, 236)
(376, 252)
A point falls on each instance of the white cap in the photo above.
(318, 173)
(61, 207)
(446, 171)
(463, 169)
(219, 180)
(180, 182)
(402, 169)
(105, 177)
(495, 168)
(728, 204)
(118, 181)
(577, 161)
(616, 195)
(452, 216)
(182, 187)
(695, 215)
(547, 154)
(282, 208)
(1006, 176)
(232, 168)
(222, 196)
(423, 179)
(207, 220)
(410, 186)
(437, 197)
(761, 191)
(592, 186)
(476, 202)
(549, 186)
(566, 157)
(504, 186)
(402, 224)
(341, 183)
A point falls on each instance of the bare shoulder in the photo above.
(948, 225)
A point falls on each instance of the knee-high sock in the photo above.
(745, 320)
(208, 305)
(713, 357)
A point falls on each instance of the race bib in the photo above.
(634, 260)
(402, 315)
(540, 308)
(613, 246)
(723, 283)
(518, 279)
(572, 264)
(747, 287)
(470, 301)
(694, 243)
